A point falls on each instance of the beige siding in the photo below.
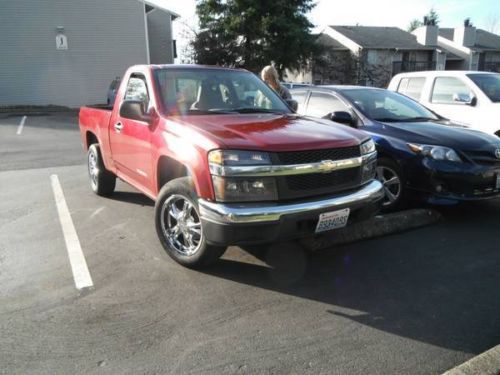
(104, 38)
(160, 37)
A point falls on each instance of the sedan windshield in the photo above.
(215, 91)
(388, 106)
(489, 84)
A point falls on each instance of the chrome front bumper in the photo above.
(267, 212)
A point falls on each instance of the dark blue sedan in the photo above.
(420, 153)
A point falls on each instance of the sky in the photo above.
(484, 14)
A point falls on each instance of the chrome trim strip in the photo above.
(325, 166)
(268, 212)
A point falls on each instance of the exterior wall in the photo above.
(104, 38)
(160, 37)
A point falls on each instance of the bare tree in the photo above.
(492, 23)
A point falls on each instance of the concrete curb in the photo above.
(487, 363)
(378, 226)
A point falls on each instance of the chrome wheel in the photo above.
(391, 182)
(181, 225)
(93, 169)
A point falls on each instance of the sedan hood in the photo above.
(273, 132)
(441, 134)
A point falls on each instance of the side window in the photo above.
(137, 89)
(300, 97)
(414, 88)
(322, 104)
(446, 88)
(403, 84)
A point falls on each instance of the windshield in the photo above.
(489, 84)
(388, 106)
(215, 91)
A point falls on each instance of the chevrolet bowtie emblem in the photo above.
(328, 165)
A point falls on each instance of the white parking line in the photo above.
(21, 125)
(77, 260)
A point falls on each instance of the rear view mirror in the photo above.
(342, 117)
(293, 104)
(134, 110)
(465, 99)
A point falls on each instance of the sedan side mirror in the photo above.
(342, 117)
(134, 110)
(293, 104)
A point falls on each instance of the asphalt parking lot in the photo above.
(420, 302)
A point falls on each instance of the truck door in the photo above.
(131, 139)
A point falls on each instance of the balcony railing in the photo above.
(412, 66)
(490, 67)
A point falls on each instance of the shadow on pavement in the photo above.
(131, 197)
(439, 285)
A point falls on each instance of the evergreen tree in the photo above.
(254, 33)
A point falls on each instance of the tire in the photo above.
(102, 181)
(390, 175)
(179, 228)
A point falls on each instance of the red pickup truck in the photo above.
(227, 161)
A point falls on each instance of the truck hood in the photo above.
(273, 132)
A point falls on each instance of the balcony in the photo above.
(412, 66)
(490, 67)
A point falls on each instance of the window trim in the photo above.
(431, 92)
(359, 117)
(142, 77)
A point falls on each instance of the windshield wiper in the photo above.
(208, 111)
(414, 119)
(407, 119)
(256, 110)
(387, 119)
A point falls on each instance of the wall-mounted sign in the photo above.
(61, 42)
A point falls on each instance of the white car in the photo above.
(468, 97)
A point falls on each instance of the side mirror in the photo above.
(293, 104)
(342, 117)
(134, 110)
(465, 99)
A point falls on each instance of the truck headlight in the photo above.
(229, 188)
(435, 152)
(367, 147)
(244, 189)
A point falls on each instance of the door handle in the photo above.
(118, 127)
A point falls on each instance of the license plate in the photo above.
(498, 181)
(332, 220)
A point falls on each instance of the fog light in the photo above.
(439, 188)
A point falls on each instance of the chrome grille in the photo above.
(314, 156)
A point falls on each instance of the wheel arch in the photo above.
(168, 169)
(90, 138)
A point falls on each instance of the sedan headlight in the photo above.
(435, 152)
(368, 147)
(229, 188)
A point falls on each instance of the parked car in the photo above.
(222, 170)
(112, 90)
(290, 85)
(420, 153)
(470, 98)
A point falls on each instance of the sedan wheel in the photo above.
(392, 185)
